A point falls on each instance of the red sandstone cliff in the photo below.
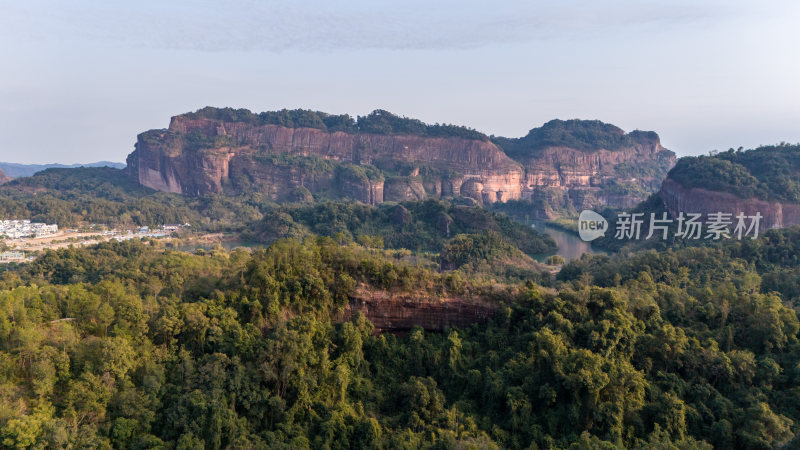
(390, 311)
(567, 167)
(697, 200)
(584, 178)
(198, 155)
(164, 159)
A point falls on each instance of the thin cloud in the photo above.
(320, 26)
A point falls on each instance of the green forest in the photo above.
(425, 225)
(72, 197)
(768, 172)
(130, 345)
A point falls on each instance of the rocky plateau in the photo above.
(201, 154)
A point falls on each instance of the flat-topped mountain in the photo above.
(382, 157)
(764, 180)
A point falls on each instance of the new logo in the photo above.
(591, 225)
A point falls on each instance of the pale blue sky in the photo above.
(79, 79)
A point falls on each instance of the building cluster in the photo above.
(15, 229)
(171, 227)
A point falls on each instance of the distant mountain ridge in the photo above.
(15, 170)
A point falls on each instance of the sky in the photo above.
(80, 79)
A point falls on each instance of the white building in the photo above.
(170, 227)
(15, 229)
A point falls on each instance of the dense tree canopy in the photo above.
(423, 225)
(585, 135)
(376, 122)
(73, 197)
(768, 173)
(132, 346)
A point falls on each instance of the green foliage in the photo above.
(126, 345)
(377, 122)
(286, 118)
(585, 135)
(464, 248)
(384, 122)
(768, 173)
(358, 173)
(73, 197)
(427, 226)
(717, 174)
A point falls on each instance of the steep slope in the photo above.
(383, 157)
(201, 154)
(763, 180)
(4, 178)
(593, 163)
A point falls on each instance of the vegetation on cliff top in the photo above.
(767, 173)
(584, 135)
(377, 122)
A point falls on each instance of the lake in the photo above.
(570, 245)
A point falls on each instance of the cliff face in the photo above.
(566, 167)
(619, 171)
(4, 178)
(199, 155)
(403, 311)
(166, 159)
(697, 200)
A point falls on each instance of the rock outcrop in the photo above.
(399, 312)
(4, 178)
(206, 152)
(579, 164)
(170, 160)
(761, 181)
(695, 200)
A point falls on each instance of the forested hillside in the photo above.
(73, 197)
(131, 346)
(432, 226)
(767, 173)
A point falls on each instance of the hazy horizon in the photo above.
(87, 79)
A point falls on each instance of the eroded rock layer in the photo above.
(774, 214)
(199, 155)
(398, 312)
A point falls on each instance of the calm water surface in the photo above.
(570, 246)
